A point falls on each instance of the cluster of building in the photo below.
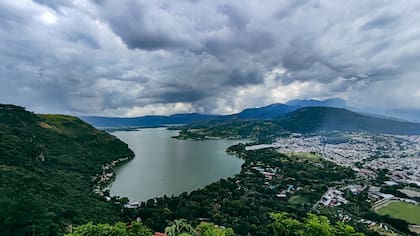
(378, 227)
(354, 188)
(268, 173)
(106, 176)
(399, 153)
(333, 197)
(405, 170)
(375, 194)
(290, 190)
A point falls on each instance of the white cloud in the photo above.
(48, 18)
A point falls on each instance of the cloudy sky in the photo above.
(134, 57)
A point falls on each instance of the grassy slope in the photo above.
(44, 196)
(402, 210)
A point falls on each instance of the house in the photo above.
(390, 183)
(268, 175)
(132, 205)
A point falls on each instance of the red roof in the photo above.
(160, 234)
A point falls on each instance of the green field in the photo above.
(402, 210)
(298, 199)
(305, 156)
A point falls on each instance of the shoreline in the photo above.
(104, 179)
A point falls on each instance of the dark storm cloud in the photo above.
(131, 57)
(248, 77)
(130, 21)
(237, 20)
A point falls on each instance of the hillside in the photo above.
(315, 119)
(46, 168)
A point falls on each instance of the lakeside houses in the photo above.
(102, 180)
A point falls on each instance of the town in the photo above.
(365, 153)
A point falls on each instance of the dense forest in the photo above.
(46, 167)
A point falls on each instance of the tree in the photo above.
(118, 229)
(312, 225)
(318, 225)
(179, 227)
(284, 225)
(210, 229)
(346, 230)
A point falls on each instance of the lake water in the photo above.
(167, 166)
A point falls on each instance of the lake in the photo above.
(166, 166)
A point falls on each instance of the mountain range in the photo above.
(339, 116)
(261, 113)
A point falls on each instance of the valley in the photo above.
(341, 172)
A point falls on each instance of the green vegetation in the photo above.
(183, 228)
(298, 200)
(118, 229)
(312, 225)
(46, 167)
(402, 210)
(306, 156)
(178, 228)
(280, 224)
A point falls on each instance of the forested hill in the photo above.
(46, 168)
(314, 119)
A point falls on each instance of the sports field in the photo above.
(402, 210)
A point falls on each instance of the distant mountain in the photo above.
(148, 121)
(315, 119)
(395, 113)
(333, 102)
(261, 113)
(267, 112)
